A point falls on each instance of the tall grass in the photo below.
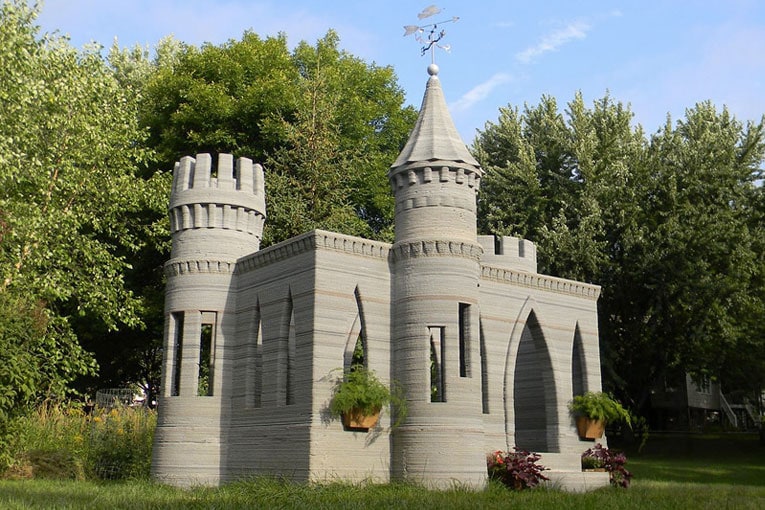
(65, 442)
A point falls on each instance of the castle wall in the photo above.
(332, 283)
(352, 298)
(529, 324)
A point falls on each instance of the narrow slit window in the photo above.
(253, 392)
(290, 354)
(437, 375)
(177, 352)
(484, 372)
(464, 339)
(258, 382)
(206, 346)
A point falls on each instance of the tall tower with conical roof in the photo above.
(435, 330)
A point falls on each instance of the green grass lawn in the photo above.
(675, 472)
(729, 459)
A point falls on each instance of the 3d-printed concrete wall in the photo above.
(488, 352)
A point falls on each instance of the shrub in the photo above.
(613, 462)
(517, 470)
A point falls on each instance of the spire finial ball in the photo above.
(432, 69)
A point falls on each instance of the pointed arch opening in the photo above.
(356, 350)
(533, 391)
(289, 348)
(578, 367)
(254, 389)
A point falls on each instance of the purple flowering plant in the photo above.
(517, 470)
(613, 462)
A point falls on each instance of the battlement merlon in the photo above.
(509, 252)
(242, 185)
(434, 172)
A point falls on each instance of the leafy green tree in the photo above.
(70, 203)
(550, 178)
(687, 291)
(131, 355)
(669, 226)
(326, 124)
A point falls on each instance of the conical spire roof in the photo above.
(434, 137)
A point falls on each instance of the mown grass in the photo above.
(730, 459)
(672, 473)
(274, 494)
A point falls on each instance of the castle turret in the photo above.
(214, 220)
(435, 302)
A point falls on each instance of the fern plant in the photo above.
(599, 406)
(358, 389)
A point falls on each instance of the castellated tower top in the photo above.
(218, 217)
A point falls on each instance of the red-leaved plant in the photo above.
(598, 456)
(517, 470)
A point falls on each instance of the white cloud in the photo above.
(479, 92)
(554, 40)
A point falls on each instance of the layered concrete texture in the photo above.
(487, 351)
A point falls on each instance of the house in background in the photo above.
(685, 404)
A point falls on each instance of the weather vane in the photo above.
(434, 36)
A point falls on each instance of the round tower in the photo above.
(215, 218)
(435, 328)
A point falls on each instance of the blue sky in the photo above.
(660, 56)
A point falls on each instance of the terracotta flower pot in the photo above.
(589, 428)
(356, 419)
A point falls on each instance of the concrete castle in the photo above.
(488, 351)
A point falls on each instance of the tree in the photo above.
(70, 202)
(686, 294)
(670, 227)
(326, 124)
(550, 178)
(323, 121)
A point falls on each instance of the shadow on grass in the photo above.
(732, 459)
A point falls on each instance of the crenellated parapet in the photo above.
(418, 186)
(233, 199)
(509, 252)
(229, 200)
(437, 171)
(435, 200)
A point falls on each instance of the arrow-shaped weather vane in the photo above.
(434, 36)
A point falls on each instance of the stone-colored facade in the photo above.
(268, 327)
